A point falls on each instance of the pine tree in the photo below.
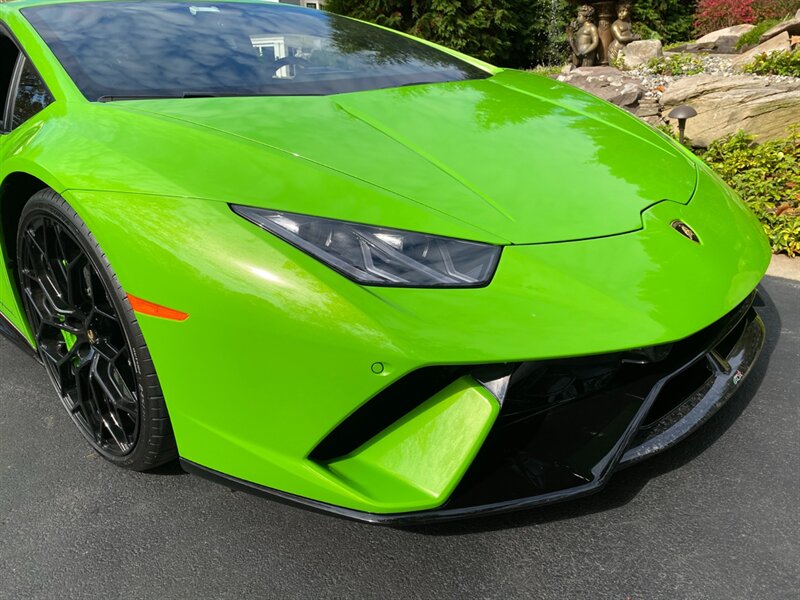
(481, 28)
(673, 20)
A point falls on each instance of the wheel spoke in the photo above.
(112, 400)
(50, 281)
(104, 348)
(61, 325)
(50, 300)
(77, 294)
(79, 335)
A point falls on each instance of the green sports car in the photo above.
(351, 269)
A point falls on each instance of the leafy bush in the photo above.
(716, 14)
(540, 34)
(677, 64)
(672, 19)
(513, 33)
(479, 28)
(767, 177)
(644, 32)
(678, 44)
(547, 71)
(775, 63)
(774, 9)
(752, 37)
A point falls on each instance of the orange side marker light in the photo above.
(156, 310)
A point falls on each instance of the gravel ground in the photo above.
(713, 64)
(714, 518)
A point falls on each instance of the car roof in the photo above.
(21, 4)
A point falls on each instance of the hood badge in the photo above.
(685, 231)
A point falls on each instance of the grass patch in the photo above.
(674, 45)
(547, 70)
(751, 37)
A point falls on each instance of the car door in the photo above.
(23, 94)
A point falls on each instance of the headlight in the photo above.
(381, 256)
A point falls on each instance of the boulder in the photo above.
(792, 27)
(694, 47)
(607, 83)
(726, 105)
(736, 30)
(640, 52)
(723, 41)
(649, 110)
(727, 44)
(780, 43)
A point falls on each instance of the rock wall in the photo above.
(726, 105)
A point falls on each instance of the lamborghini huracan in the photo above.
(351, 269)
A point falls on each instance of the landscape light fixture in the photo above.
(683, 113)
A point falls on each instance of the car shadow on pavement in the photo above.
(171, 469)
(625, 485)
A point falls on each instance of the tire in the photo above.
(88, 338)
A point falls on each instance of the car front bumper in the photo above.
(570, 448)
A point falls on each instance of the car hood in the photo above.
(525, 158)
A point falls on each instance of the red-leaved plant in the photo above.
(716, 14)
(774, 9)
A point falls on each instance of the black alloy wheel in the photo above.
(88, 338)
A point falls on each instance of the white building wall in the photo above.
(318, 4)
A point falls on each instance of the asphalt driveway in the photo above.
(716, 517)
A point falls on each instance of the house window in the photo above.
(312, 5)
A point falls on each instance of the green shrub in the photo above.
(677, 44)
(644, 32)
(482, 29)
(672, 19)
(618, 63)
(678, 64)
(767, 177)
(751, 37)
(509, 33)
(547, 71)
(776, 63)
(513, 33)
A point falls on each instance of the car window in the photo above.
(9, 53)
(177, 49)
(32, 95)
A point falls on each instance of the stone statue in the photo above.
(584, 38)
(621, 30)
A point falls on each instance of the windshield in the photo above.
(175, 49)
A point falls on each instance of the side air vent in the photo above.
(385, 408)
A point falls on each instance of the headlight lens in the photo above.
(381, 256)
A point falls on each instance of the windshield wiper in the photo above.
(262, 94)
(111, 98)
(132, 97)
(420, 83)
